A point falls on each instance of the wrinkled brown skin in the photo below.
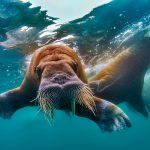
(27, 91)
(122, 79)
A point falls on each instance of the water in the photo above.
(103, 32)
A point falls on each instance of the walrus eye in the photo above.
(38, 72)
(75, 66)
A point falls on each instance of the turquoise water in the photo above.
(28, 129)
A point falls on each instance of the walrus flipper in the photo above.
(11, 101)
(108, 116)
(111, 118)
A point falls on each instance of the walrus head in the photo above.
(62, 80)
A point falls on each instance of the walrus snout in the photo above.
(61, 81)
(59, 87)
(61, 78)
(63, 91)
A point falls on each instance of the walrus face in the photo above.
(60, 84)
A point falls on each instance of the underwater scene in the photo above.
(97, 30)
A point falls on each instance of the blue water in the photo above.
(106, 29)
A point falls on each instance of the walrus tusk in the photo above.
(73, 106)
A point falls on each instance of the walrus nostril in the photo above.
(60, 78)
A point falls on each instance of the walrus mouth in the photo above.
(55, 97)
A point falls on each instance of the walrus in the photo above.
(122, 79)
(55, 79)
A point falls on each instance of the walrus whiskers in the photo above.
(46, 107)
(47, 99)
(41, 100)
(85, 98)
(45, 104)
(37, 97)
(83, 95)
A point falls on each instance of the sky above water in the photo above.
(67, 10)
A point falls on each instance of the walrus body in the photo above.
(122, 79)
(56, 79)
